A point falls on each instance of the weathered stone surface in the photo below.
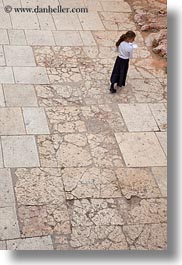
(6, 188)
(160, 175)
(3, 245)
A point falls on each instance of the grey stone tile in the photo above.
(6, 188)
(24, 20)
(5, 22)
(30, 75)
(162, 137)
(67, 21)
(2, 100)
(3, 37)
(20, 151)
(39, 37)
(160, 175)
(2, 59)
(19, 56)
(90, 21)
(1, 157)
(17, 37)
(2, 245)
(67, 38)
(6, 75)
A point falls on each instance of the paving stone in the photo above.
(24, 20)
(160, 175)
(35, 121)
(146, 237)
(87, 38)
(56, 95)
(3, 37)
(103, 118)
(6, 75)
(105, 38)
(40, 3)
(69, 74)
(2, 100)
(93, 5)
(19, 56)
(141, 149)
(160, 114)
(5, 22)
(39, 37)
(1, 158)
(162, 137)
(20, 151)
(44, 220)
(2, 58)
(98, 238)
(37, 243)
(31, 75)
(67, 38)
(17, 37)
(90, 183)
(8, 223)
(11, 121)
(116, 6)
(67, 21)
(6, 188)
(66, 119)
(46, 21)
(3, 245)
(90, 21)
(137, 182)
(138, 117)
(17, 95)
(105, 151)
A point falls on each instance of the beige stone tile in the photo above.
(56, 95)
(146, 237)
(19, 56)
(3, 245)
(90, 21)
(39, 37)
(35, 121)
(93, 5)
(67, 21)
(106, 38)
(137, 182)
(90, 183)
(138, 117)
(4, 37)
(30, 75)
(67, 38)
(37, 243)
(162, 137)
(105, 151)
(116, 6)
(20, 95)
(66, 119)
(24, 20)
(160, 114)
(2, 100)
(6, 75)
(39, 186)
(5, 22)
(98, 238)
(116, 21)
(46, 21)
(20, 151)
(87, 38)
(8, 223)
(6, 189)
(44, 220)
(1, 158)
(160, 175)
(11, 121)
(17, 37)
(2, 58)
(101, 118)
(141, 149)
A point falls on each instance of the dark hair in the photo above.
(128, 35)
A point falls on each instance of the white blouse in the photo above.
(125, 50)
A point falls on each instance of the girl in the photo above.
(125, 48)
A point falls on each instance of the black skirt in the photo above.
(119, 72)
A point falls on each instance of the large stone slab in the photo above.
(6, 189)
(17, 37)
(30, 75)
(6, 75)
(4, 37)
(19, 56)
(141, 149)
(39, 37)
(160, 175)
(90, 21)
(2, 100)
(160, 114)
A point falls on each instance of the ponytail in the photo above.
(128, 35)
(121, 39)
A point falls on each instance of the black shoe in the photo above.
(112, 90)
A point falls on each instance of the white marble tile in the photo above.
(17, 37)
(8, 223)
(67, 38)
(138, 117)
(30, 75)
(11, 121)
(19, 56)
(39, 37)
(35, 121)
(4, 36)
(141, 149)
(6, 75)
(17, 95)
(20, 151)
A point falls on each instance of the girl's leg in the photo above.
(112, 89)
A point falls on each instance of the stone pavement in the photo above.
(80, 168)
